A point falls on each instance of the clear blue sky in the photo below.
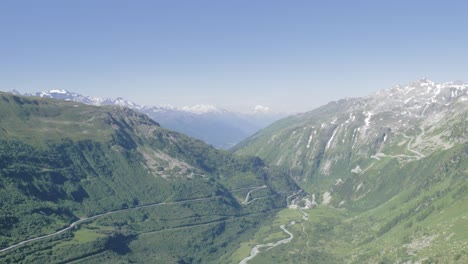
(289, 55)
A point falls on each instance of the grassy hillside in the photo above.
(386, 177)
(424, 221)
(63, 161)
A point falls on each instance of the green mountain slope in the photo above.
(387, 174)
(144, 194)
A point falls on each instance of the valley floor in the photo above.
(331, 235)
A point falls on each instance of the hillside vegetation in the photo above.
(169, 198)
(386, 177)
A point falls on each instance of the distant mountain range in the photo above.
(218, 127)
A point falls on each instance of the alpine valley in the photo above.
(87, 184)
(379, 179)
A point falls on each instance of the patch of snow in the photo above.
(368, 118)
(407, 100)
(331, 139)
(310, 139)
(339, 182)
(354, 137)
(351, 118)
(409, 90)
(326, 198)
(359, 187)
(261, 109)
(326, 167)
(313, 200)
(357, 169)
(201, 109)
(298, 142)
(59, 91)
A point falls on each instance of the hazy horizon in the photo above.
(290, 57)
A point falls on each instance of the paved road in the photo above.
(256, 249)
(246, 200)
(72, 225)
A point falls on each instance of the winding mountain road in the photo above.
(258, 198)
(81, 220)
(245, 188)
(408, 147)
(292, 195)
(246, 200)
(72, 225)
(256, 249)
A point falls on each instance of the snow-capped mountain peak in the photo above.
(201, 109)
(216, 126)
(58, 91)
(424, 92)
(260, 109)
(64, 95)
(118, 101)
